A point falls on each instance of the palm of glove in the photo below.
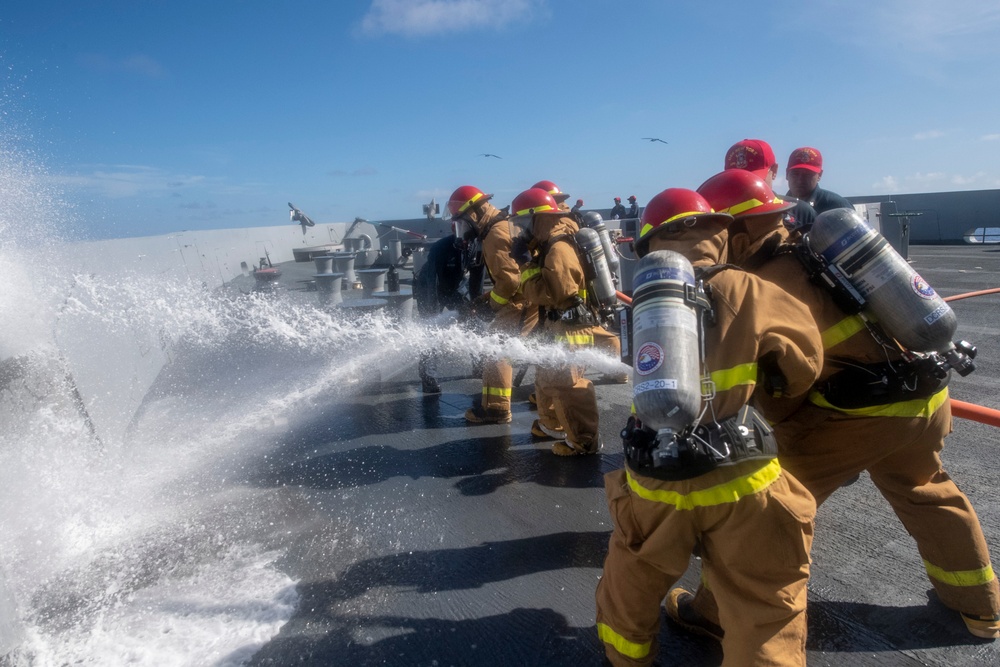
(520, 251)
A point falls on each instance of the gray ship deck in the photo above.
(420, 541)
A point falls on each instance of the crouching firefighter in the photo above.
(554, 279)
(701, 469)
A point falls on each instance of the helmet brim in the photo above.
(484, 198)
(766, 209)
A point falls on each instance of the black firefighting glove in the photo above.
(520, 251)
(480, 309)
(638, 442)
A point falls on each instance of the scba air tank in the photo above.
(906, 307)
(665, 333)
(593, 220)
(600, 276)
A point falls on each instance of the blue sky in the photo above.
(149, 117)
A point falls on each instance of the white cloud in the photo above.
(121, 181)
(904, 29)
(932, 134)
(980, 177)
(930, 177)
(416, 18)
(137, 63)
(887, 184)
(990, 137)
(936, 181)
(938, 26)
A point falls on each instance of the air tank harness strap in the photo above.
(698, 450)
(578, 314)
(866, 385)
(829, 276)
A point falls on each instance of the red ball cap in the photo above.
(806, 158)
(751, 155)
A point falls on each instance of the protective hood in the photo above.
(482, 217)
(546, 226)
(747, 234)
(703, 244)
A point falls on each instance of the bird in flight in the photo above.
(654, 139)
(491, 155)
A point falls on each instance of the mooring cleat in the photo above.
(678, 604)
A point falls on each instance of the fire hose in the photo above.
(967, 295)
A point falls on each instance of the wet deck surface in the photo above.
(420, 541)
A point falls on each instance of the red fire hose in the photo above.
(956, 297)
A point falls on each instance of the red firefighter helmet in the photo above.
(552, 189)
(532, 201)
(672, 210)
(741, 194)
(464, 198)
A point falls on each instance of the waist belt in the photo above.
(865, 385)
(578, 314)
(694, 452)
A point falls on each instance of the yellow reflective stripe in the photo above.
(737, 375)
(537, 209)
(527, 274)
(729, 492)
(736, 209)
(978, 577)
(583, 294)
(842, 330)
(499, 299)
(918, 407)
(576, 339)
(646, 228)
(622, 645)
(504, 392)
(703, 580)
(469, 203)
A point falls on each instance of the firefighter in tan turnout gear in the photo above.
(701, 467)
(604, 340)
(553, 278)
(871, 411)
(512, 316)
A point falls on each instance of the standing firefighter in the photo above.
(554, 279)
(449, 279)
(701, 468)
(603, 339)
(874, 409)
(512, 316)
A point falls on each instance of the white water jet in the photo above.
(134, 407)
